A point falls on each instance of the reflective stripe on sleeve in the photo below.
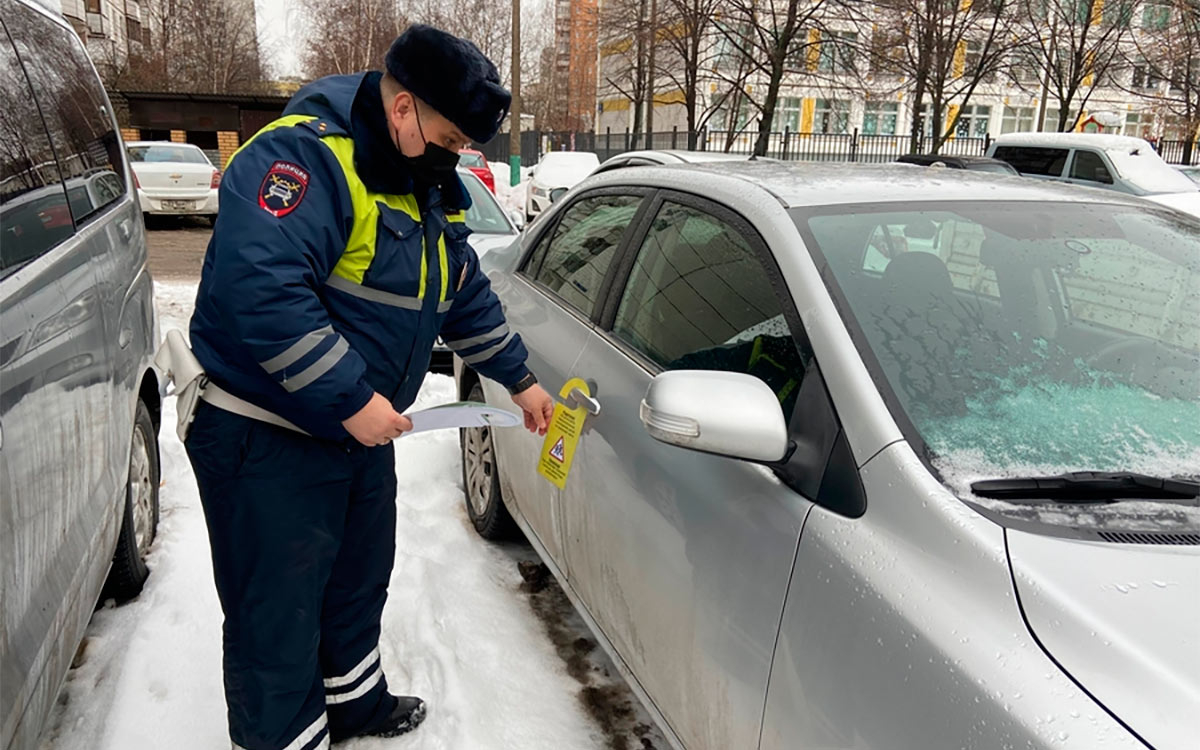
(492, 335)
(293, 353)
(318, 368)
(486, 354)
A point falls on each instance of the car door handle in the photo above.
(580, 399)
(126, 228)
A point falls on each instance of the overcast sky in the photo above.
(280, 29)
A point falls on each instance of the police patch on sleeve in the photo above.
(283, 188)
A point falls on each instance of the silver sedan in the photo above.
(872, 457)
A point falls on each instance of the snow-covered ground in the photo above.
(502, 663)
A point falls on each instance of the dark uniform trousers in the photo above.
(303, 540)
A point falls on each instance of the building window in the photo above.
(1156, 14)
(879, 118)
(1050, 123)
(93, 6)
(788, 115)
(1144, 77)
(831, 116)
(973, 121)
(1139, 124)
(1018, 120)
(837, 54)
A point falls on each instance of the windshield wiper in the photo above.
(1091, 487)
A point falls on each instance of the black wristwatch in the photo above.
(523, 384)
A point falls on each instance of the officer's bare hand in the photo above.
(377, 423)
(538, 408)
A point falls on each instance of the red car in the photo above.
(477, 163)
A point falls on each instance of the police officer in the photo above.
(340, 255)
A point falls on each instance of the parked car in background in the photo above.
(973, 163)
(174, 179)
(806, 506)
(1111, 162)
(477, 163)
(555, 174)
(491, 229)
(653, 157)
(79, 399)
(1192, 173)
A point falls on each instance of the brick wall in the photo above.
(179, 136)
(131, 134)
(227, 142)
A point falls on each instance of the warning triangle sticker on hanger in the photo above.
(558, 449)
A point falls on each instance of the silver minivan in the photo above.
(1109, 162)
(79, 399)
(875, 458)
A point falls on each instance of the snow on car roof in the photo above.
(1072, 140)
(824, 184)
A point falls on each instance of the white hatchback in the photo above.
(174, 179)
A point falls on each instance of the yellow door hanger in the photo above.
(558, 449)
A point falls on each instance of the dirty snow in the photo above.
(497, 653)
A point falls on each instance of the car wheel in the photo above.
(140, 518)
(481, 480)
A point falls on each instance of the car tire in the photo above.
(481, 481)
(139, 520)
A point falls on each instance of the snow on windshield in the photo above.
(1021, 339)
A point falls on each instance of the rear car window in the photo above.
(574, 262)
(34, 216)
(470, 160)
(74, 109)
(1034, 159)
(175, 153)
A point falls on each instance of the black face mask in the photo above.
(435, 165)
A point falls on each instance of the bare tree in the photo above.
(1074, 46)
(1165, 66)
(347, 36)
(624, 62)
(487, 23)
(945, 50)
(689, 42)
(773, 35)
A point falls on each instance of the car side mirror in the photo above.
(557, 193)
(727, 413)
(518, 218)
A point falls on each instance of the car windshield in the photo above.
(1026, 338)
(485, 215)
(165, 153)
(467, 159)
(1145, 170)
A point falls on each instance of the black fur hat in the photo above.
(452, 76)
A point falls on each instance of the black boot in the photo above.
(405, 717)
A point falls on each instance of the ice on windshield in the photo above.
(1030, 338)
(1146, 169)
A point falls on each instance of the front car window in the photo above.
(1022, 338)
(699, 298)
(74, 108)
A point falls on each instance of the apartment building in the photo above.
(838, 86)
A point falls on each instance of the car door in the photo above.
(551, 301)
(683, 558)
(52, 398)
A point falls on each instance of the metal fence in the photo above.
(840, 147)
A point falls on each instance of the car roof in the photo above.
(797, 184)
(1071, 140)
(57, 18)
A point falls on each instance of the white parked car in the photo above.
(554, 175)
(1112, 162)
(174, 179)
